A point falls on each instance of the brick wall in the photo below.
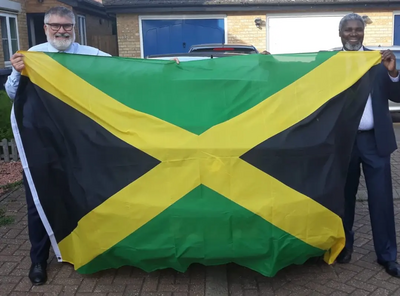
(22, 26)
(242, 29)
(128, 35)
(33, 6)
(380, 32)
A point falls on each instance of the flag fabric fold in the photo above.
(160, 165)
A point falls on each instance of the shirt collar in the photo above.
(361, 48)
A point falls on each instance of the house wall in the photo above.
(380, 32)
(22, 26)
(33, 6)
(128, 35)
(94, 27)
(99, 33)
(97, 26)
(242, 29)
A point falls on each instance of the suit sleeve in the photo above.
(394, 88)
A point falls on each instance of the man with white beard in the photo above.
(59, 25)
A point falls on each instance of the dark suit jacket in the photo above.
(383, 89)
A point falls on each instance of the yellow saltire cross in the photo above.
(211, 159)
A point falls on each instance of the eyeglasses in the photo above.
(56, 27)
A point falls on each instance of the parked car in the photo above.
(225, 48)
(192, 56)
(393, 107)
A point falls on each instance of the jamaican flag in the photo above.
(160, 165)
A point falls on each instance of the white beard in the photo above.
(61, 44)
(350, 47)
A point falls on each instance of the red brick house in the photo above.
(168, 26)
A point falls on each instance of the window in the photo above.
(82, 29)
(9, 36)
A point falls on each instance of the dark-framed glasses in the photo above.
(56, 27)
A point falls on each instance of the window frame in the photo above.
(7, 16)
(82, 29)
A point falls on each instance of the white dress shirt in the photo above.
(12, 82)
(367, 119)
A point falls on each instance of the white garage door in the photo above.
(305, 33)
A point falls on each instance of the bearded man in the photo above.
(59, 26)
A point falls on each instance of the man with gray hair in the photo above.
(375, 141)
(59, 25)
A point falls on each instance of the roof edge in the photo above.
(129, 8)
(98, 10)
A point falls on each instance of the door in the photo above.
(396, 30)
(35, 29)
(178, 35)
(305, 33)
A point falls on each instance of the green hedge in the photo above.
(5, 111)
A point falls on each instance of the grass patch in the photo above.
(10, 186)
(4, 219)
(5, 112)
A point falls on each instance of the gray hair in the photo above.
(351, 17)
(60, 11)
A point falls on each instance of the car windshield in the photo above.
(248, 50)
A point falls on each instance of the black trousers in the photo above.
(40, 242)
(377, 172)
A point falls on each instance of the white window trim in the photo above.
(396, 12)
(299, 14)
(32, 27)
(7, 64)
(180, 17)
(79, 17)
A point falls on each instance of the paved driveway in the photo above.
(362, 277)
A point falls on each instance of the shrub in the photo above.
(5, 111)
